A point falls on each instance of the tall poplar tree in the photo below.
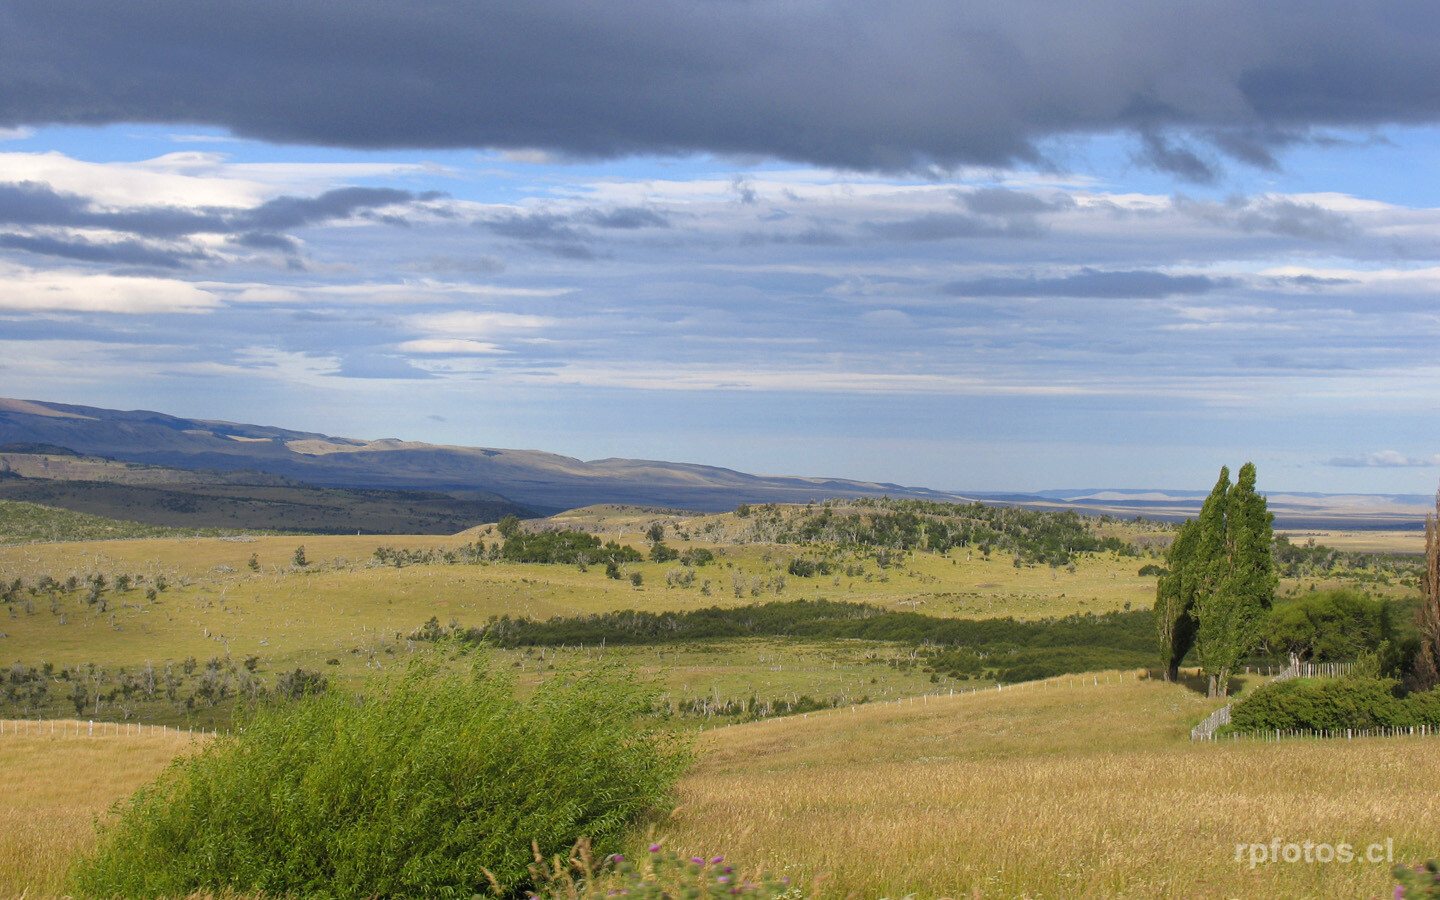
(1239, 584)
(1175, 601)
(1221, 581)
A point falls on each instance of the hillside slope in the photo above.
(545, 481)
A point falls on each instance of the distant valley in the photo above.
(216, 473)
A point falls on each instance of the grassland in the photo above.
(346, 613)
(56, 787)
(1067, 788)
(1075, 790)
(1076, 787)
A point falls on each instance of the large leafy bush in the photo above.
(428, 784)
(1334, 704)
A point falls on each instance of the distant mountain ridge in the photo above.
(548, 482)
(542, 481)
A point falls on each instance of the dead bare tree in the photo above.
(1427, 666)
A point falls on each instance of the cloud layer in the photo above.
(850, 83)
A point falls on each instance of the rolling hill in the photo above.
(545, 483)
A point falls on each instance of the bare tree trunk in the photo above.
(1427, 667)
(1220, 683)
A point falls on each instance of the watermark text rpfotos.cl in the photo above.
(1313, 852)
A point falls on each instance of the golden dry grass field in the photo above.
(345, 607)
(55, 787)
(346, 614)
(1060, 789)
(1072, 790)
(1077, 787)
(1412, 541)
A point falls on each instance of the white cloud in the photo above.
(1386, 459)
(188, 179)
(451, 347)
(477, 325)
(25, 290)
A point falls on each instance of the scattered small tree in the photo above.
(300, 559)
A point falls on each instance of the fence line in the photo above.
(1206, 730)
(1279, 734)
(78, 728)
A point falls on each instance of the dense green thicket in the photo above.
(1037, 535)
(813, 619)
(1004, 649)
(1329, 626)
(22, 523)
(436, 777)
(1334, 703)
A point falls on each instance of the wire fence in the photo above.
(78, 728)
(1208, 729)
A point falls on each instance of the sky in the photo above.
(959, 245)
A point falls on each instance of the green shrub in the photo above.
(1338, 624)
(1334, 703)
(437, 780)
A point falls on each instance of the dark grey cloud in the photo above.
(533, 226)
(127, 253)
(1313, 282)
(855, 83)
(565, 234)
(476, 264)
(813, 236)
(1274, 215)
(36, 204)
(1091, 284)
(157, 230)
(260, 240)
(627, 217)
(1294, 219)
(342, 203)
(1005, 202)
(950, 226)
(1161, 152)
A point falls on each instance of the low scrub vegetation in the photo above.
(436, 782)
(23, 523)
(1335, 704)
(1000, 649)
